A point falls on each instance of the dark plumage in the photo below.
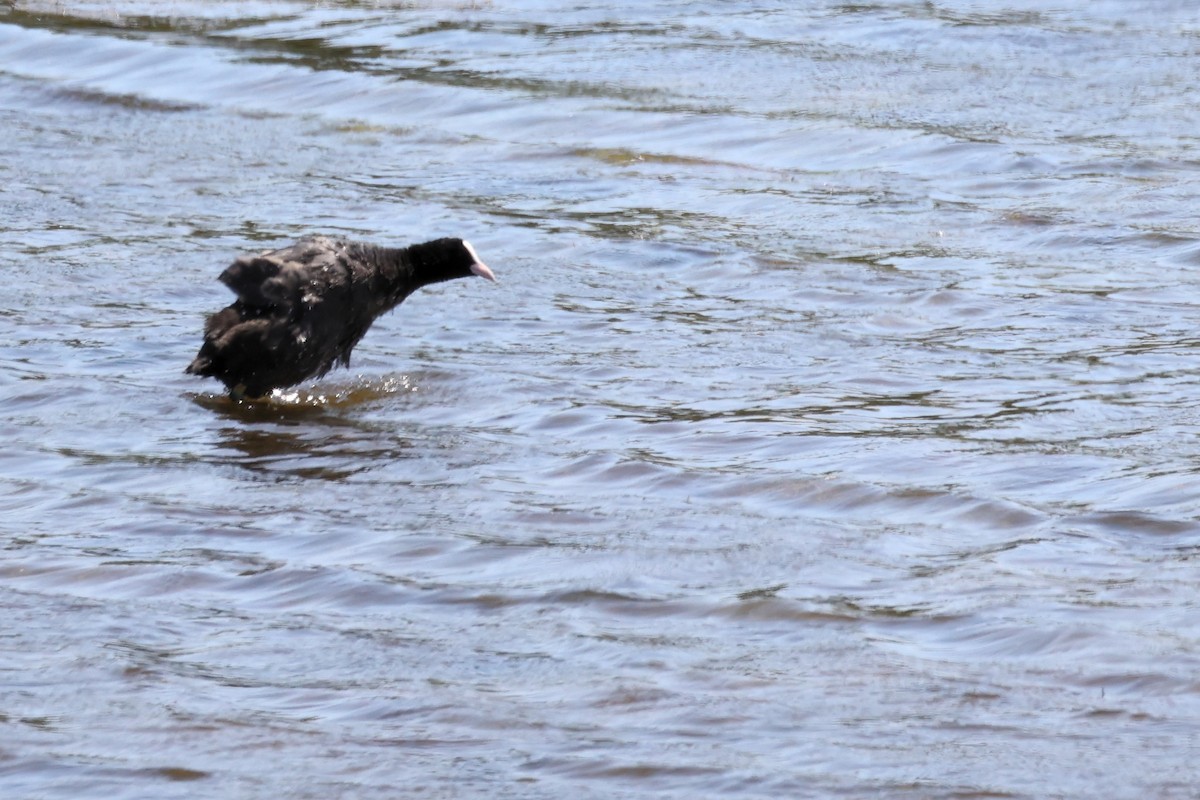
(300, 310)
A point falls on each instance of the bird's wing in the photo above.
(262, 281)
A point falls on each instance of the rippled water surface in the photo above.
(833, 430)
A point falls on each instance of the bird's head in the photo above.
(444, 260)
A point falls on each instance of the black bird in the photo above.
(302, 309)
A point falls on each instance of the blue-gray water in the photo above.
(832, 432)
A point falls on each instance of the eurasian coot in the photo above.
(301, 309)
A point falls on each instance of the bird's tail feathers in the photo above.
(201, 365)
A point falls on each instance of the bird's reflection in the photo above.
(305, 433)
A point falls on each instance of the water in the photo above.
(831, 432)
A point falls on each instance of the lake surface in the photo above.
(832, 431)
